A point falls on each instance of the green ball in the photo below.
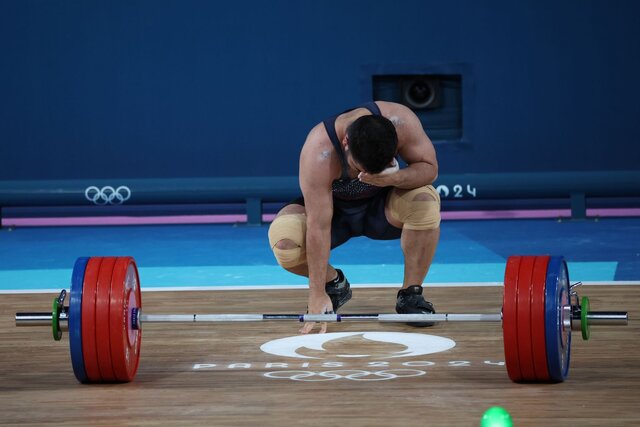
(496, 417)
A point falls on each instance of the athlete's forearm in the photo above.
(318, 248)
(415, 175)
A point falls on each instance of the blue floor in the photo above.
(227, 255)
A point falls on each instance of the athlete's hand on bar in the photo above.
(319, 303)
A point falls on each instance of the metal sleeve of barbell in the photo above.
(39, 319)
(608, 318)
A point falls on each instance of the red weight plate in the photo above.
(538, 339)
(103, 343)
(510, 318)
(89, 288)
(125, 341)
(525, 288)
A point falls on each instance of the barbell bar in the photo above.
(607, 318)
(104, 318)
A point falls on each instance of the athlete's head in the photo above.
(373, 142)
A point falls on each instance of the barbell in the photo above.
(104, 318)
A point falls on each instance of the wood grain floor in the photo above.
(217, 375)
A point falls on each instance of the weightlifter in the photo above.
(352, 186)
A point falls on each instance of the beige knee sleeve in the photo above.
(417, 209)
(292, 227)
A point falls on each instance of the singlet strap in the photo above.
(372, 107)
(330, 126)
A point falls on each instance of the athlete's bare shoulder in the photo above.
(406, 122)
(318, 135)
(318, 157)
(318, 145)
(399, 114)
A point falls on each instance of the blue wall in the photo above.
(161, 89)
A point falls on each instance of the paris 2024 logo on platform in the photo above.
(390, 345)
(351, 356)
(354, 345)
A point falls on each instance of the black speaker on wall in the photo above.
(435, 98)
(421, 92)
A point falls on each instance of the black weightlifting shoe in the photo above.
(338, 290)
(411, 301)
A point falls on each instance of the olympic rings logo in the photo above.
(346, 374)
(107, 195)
